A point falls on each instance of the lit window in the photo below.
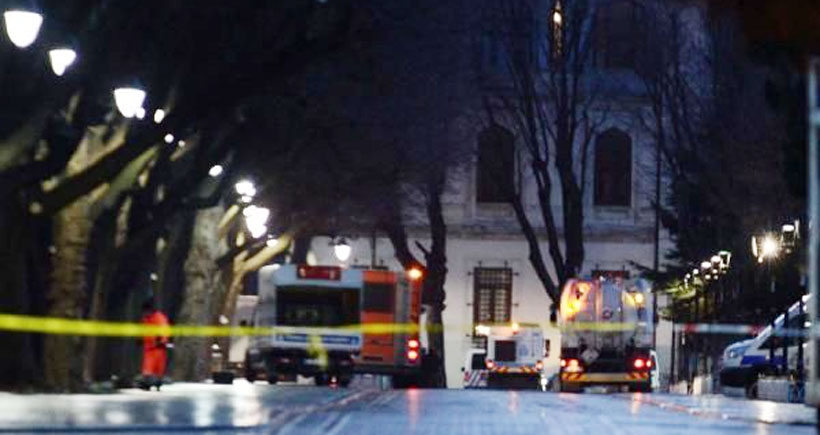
(492, 297)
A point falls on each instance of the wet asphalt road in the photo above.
(302, 409)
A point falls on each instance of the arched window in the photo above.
(617, 34)
(613, 169)
(496, 164)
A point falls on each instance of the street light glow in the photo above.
(245, 188)
(342, 250)
(159, 115)
(141, 113)
(271, 242)
(705, 265)
(215, 171)
(557, 18)
(61, 59)
(169, 138)
(770, 248)
(129, 101)
(22, 27)
(256, 219)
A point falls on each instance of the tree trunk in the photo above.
(67, 296)
(20, 270)
(203, 295)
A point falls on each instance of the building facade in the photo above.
(490, 278)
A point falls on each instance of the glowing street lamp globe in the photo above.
(129, 101)
(22, 27)
(342, 250)
(61, 59)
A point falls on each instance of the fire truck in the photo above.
(337, 322)
(513, 356)
(606, 334)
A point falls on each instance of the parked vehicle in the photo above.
(475, 369)
(310, 304)
(514, 355)
(394, 321)
(743, 362)
(606, 335)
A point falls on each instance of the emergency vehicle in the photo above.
(394, 323)
(513, 356)
(313, 308)
(606, 334)
(383, 324)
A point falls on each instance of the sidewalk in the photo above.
(731, 408)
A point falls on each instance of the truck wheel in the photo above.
(273, 378)
(223, 377)
(250, 375)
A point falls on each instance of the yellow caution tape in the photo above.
(78, 327)
(61, 326)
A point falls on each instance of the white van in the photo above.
(743, 362)
(475, 369)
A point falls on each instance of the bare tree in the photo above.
(545, 94)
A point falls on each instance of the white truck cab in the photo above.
(475, 369)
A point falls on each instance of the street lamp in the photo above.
(246, 190)
(765, 247)
(129, 101)
(256, 219)
(342, 250)
(159, 115)
(22, 27)
(61, 59)
(215, 171)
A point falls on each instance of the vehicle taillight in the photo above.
(639, 363)
(490, 364)
(571, 365)
(412, 355)
(649, 363)
(413, 344)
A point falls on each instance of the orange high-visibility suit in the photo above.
(154, 353)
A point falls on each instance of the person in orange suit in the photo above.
(155, 348)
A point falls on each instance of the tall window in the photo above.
(617, 35)
(613, 169)
(492, 295)
(495, 176)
